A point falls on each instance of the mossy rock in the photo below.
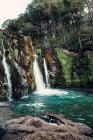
(66, 64)
(3, 96)
(1, 33)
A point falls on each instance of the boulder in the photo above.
(33, 128)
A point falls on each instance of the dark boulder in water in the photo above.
(52, 119)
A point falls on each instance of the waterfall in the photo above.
(8, 76)
(40, 86)
(46, 74)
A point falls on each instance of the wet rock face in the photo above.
(19, 57)
(69, 69)
(32, 128)
(53, 67)
(51, 61)
(2, 84)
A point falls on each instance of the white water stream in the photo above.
(8, 75)
(46, 75)
(40, 86)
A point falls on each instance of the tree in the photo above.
(6, 23)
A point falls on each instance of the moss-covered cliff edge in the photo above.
(66, 69)
(19, 58)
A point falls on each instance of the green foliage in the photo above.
(61, 20)
(78, 71)
(87, 36)
(83, 70)
(66, 63)
(3, 96)
(1, 33)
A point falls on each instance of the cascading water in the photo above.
(8, 76)
(46, 75)
(40, 86)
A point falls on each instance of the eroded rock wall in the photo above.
(68, 69)
(19, 56)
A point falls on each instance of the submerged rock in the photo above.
(33, 128)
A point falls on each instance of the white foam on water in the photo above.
(38, 105)
(51, 92)
(33, 105)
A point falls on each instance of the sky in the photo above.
(10, 9)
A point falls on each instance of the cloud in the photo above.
(10, 9)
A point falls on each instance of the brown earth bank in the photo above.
(33, 128)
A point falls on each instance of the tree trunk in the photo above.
(79, 40)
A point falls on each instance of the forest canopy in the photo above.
(66, 23)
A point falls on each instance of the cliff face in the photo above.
(66, 69)
(70, 69)
(19, 58)
(53, 66)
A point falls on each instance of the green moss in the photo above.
(89, 72)
(66, 63)
(76, 79)
(39, 52)
(83, 70)
(3, 96)
(1, 34)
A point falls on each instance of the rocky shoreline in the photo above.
(33, 128)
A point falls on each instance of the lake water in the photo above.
(76, 105)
